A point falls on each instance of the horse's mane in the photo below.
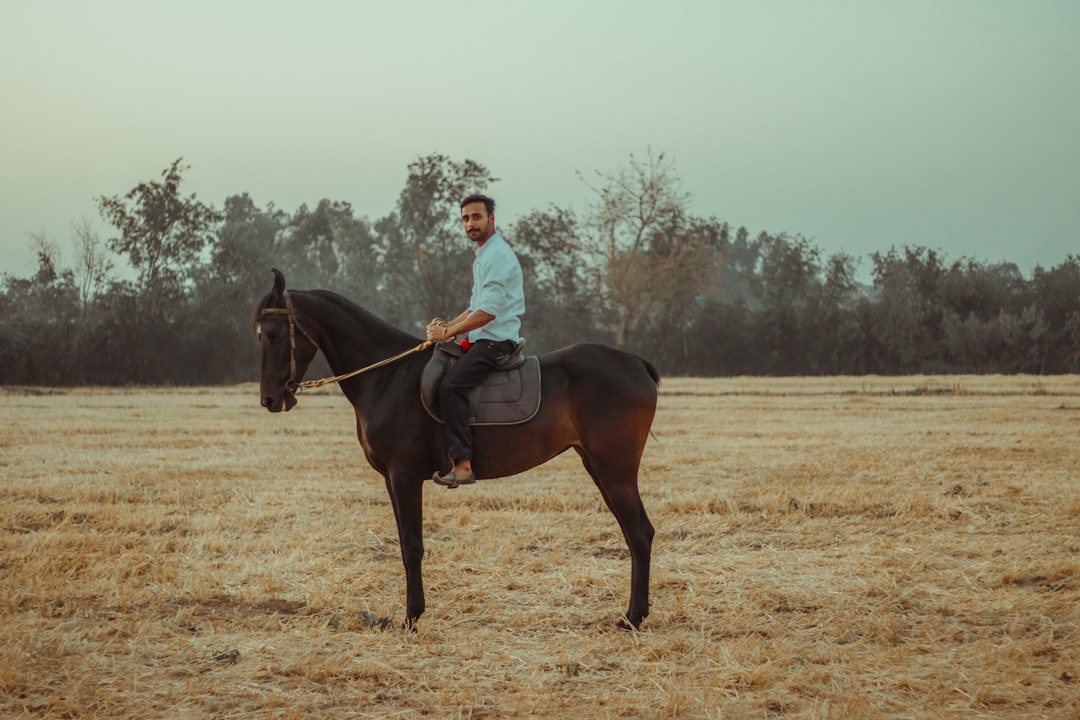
(340, 314)
(360, 315)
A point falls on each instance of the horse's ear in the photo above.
(279, 283)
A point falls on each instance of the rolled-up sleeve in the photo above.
(492, 297)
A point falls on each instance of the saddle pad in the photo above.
(506, 397)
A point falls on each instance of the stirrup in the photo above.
(449, 481)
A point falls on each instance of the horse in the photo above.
(596, 399)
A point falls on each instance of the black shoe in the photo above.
(449, 481)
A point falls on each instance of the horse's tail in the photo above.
(655, 375)
(653, 372)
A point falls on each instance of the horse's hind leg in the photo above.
(618, 484)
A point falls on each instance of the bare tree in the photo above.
(48, 254)
(94, 265)
(649, 254)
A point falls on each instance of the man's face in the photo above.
(479, 226)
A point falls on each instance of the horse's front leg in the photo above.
(407, 496)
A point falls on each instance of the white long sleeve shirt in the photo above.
(499, 290)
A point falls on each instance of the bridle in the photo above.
(295, 387)
(290, 312)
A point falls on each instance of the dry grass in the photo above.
(826, 548)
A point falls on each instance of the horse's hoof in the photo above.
(629, 625)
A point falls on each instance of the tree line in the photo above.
(635, 269)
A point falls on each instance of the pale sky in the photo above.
(950, 124)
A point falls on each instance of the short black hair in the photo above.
(489, 203)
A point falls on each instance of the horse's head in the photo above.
(285, 348)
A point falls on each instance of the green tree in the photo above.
(684, 266)
(426, 257)
(241, 255)
(243, 250)
(908, 315)
(359, 265)
(310, 247)
(559, 303)
(38, 317)
(789, 281)
(835, 337)
(980, 303)
(722, 339)
(738, 274)
(1057, 298)
(162, 234)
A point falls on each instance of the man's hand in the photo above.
(436, 330)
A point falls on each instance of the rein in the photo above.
(308, 384)
(296, 387)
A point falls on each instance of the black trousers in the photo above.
(468, 372)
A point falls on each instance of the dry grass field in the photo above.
(825, 548)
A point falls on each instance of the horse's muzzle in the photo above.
(285, 401)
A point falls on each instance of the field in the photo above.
(825, 548)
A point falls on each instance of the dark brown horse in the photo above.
(595, 399)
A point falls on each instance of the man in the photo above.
(490, 325)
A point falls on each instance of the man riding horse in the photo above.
(490, 326)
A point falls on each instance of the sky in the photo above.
(860, 126)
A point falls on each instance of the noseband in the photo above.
(290, 312)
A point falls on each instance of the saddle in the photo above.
(508, 396)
